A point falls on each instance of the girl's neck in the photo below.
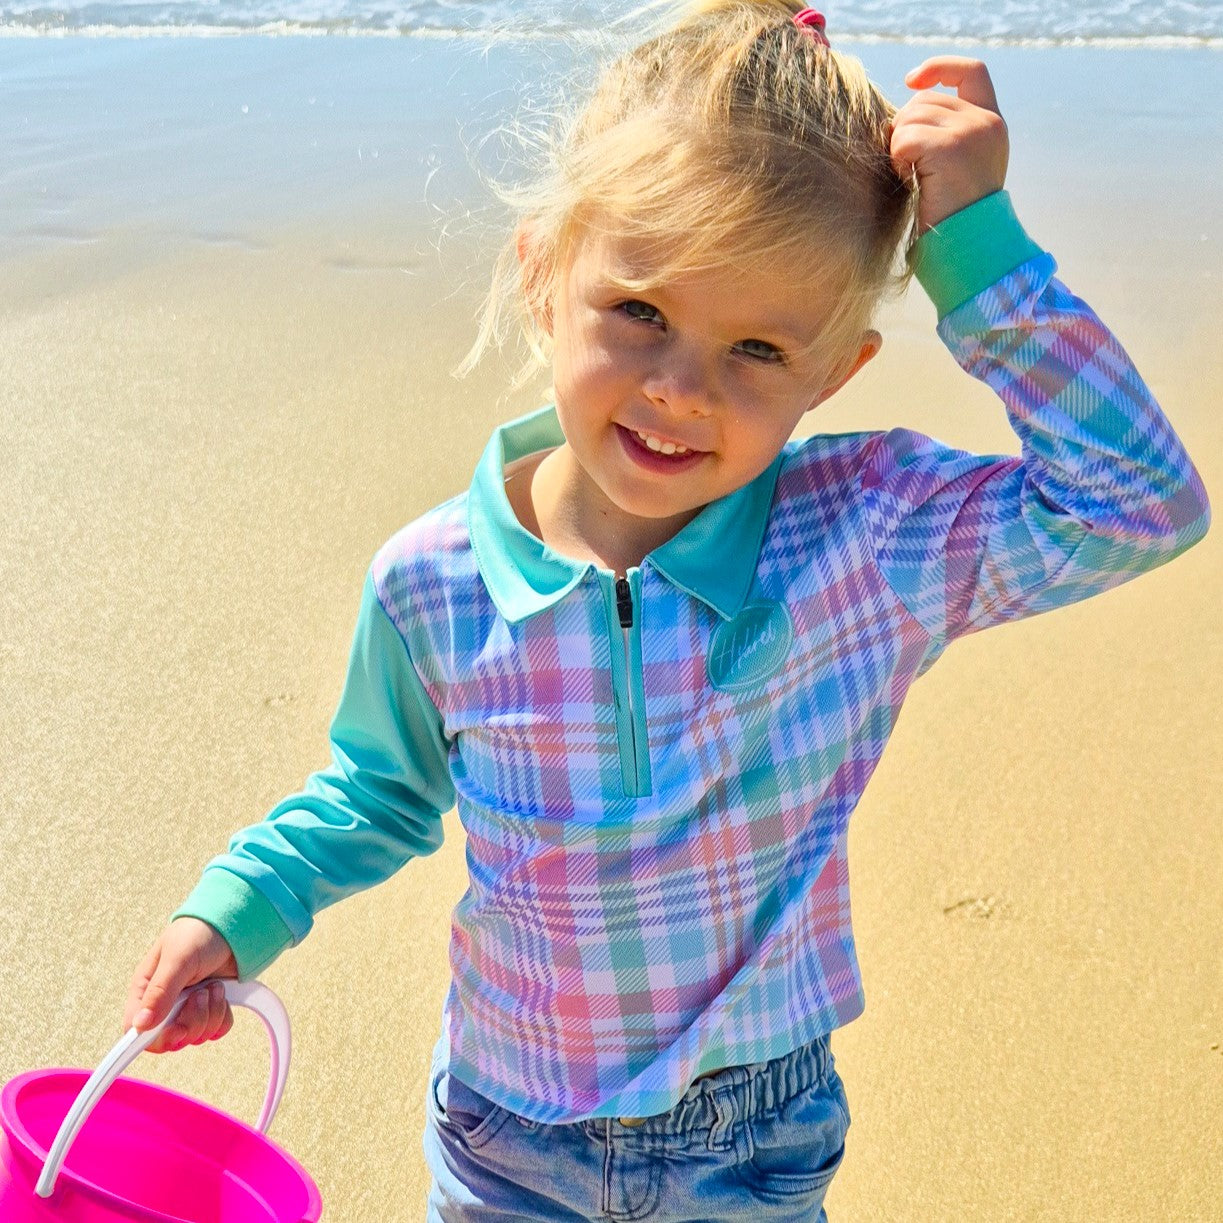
(557, 502)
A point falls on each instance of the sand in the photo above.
(213, 414)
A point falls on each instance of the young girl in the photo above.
(655, 652)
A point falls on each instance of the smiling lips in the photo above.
(655, 454)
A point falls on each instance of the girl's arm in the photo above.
(354, 823)
(1103, 490)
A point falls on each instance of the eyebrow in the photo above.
(784, 330)
(781, 329)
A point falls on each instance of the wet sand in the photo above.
(224, 382)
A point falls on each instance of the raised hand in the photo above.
(957, 143)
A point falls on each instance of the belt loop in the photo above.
(721, 1135)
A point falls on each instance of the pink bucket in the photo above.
(147, 1154)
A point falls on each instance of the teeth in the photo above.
(662, 447)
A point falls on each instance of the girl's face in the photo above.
(674, 397)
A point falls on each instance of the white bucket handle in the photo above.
(253, 995)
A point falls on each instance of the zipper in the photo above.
(624, 610)
(626, 677)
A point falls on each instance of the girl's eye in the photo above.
(760, 350)
(641, 310)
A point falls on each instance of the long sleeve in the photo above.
(1102, 491)
(354, 823)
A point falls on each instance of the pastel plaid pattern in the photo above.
(610, 947)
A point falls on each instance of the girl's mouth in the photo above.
(655, 460)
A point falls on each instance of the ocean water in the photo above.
(120, 135)
(1040, 22)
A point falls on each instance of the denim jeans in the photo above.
(756, 1143)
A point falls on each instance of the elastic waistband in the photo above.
(717, 1102)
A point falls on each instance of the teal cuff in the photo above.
(242, 915)
(971, 250)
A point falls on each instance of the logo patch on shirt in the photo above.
(746, 650)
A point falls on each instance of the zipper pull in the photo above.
(624, 602)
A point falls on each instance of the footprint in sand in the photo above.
(279, 701)
(977, 908)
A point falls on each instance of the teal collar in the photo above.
(713, 558)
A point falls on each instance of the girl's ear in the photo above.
(871, 343)
(536, 274)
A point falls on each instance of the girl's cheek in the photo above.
(600, 360)
(584, 373)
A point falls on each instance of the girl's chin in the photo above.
(645, 505)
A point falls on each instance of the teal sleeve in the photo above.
(971, 250)
(354, 823)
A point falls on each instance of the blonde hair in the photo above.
(732, 139)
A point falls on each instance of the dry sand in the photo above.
(203, 447)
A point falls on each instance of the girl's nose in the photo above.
(682, 383)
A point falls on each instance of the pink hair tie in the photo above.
(814, 23)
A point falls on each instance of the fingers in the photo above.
(968, 77)
(917, 141)
(171, 974)
(140, 982)
(933, 107)
(205, 1016)
(932, 126)
(187, 952)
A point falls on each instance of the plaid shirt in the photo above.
(656, 774)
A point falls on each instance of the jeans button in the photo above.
(632, 1122)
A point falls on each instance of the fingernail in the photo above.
(144, 1018)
